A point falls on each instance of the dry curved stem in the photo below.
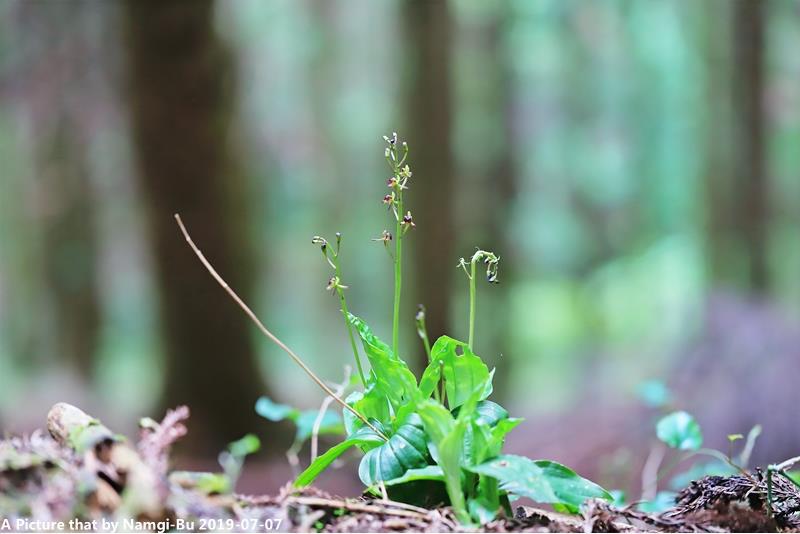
(269, 334)
(374, 507)
(323, 409)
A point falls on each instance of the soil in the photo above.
(81, 469)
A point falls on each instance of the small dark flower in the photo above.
(385, 237)
(321, 241)
(335, 283)
(408, 221)
(388, 199)
(492, 263)
(391, 182)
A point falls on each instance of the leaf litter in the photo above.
(80, 469)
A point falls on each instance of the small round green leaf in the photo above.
(680, 430)
(249, 444)
(268, 409)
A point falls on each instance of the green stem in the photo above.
(426, 342)
(345, 314)
(398, 274)
(422, 330)
(472, 302)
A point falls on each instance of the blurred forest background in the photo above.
(636, 164)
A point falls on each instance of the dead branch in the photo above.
(269, 334)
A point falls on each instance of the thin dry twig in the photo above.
(324, 408)
(406, 506)
(269, 334)
(787, 464)
(356, 506)
(650, 472)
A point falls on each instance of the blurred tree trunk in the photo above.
(719, 190)
(181, 88)
(50, 43)
(428, 26)
(750, 164)
(501, 186)
(69, 245)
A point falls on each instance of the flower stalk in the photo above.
(491, 261)
(335, 284)
(404, 222)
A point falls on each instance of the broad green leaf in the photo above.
(362, 437)
(680, 430)
(487, 412)
(498, 435)
(462, 373)
(570, 488)
(268, 409)
(482, 441)
(543, 481)
(370, 403)
(429, 472)
(392, 376)
(406, 449)
(446, 434)
(486, 505)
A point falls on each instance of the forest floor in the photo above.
(79, 468)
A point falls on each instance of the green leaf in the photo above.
(273, 411)
(680, 430)
(370, 403)
(654, 393)
(543, 481)
(487, 413)
(406, 449)
(429, 472)
(206, 483)
(391, 374)
(484, 508)
(249, 444)
(481, 440)
(664, 501)
(499, 432)
(362, 437)
(304, 421)
(331, 424)
(447, 435)
(462, 373)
